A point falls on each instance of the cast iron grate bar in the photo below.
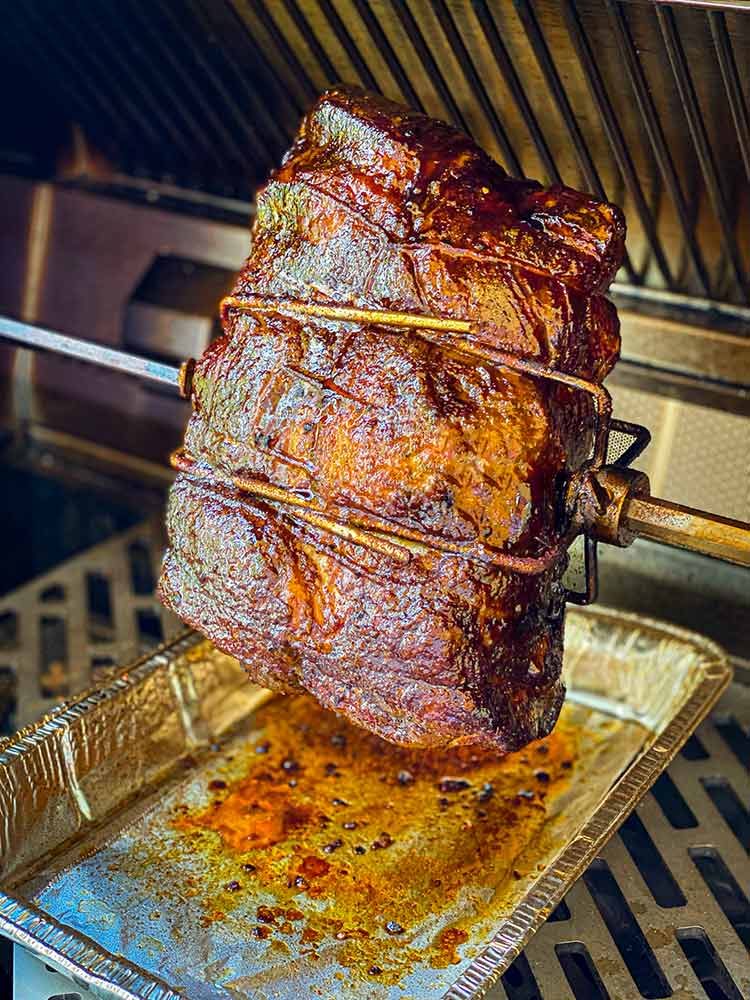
(673, 804)
(311, 40)
(384, 47)
(732, 84)
(728, 803)
(478, 90)
(691, 107)
(345, 40)
(560, 912)
(519, 982)
(428, 62)
(693, 749)
(615, 137)
(546, 64)
(724, 887)
(735, 738)
(580, 971)
(707, 965)
(657, 139)
(649, 862)
(514, 85)
(626, 932)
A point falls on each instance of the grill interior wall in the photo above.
(645, 103)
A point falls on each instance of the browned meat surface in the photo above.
(410, 573)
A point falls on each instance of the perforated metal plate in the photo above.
(76, 623)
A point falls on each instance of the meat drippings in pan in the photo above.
(370, 511)
(331, 839)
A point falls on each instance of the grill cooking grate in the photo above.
(642, 102)
(665, 910)
(79, 622)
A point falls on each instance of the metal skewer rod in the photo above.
(640, 515)
(39, 339)
(614, 505)
(664, 521)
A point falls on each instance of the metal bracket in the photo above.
(625, 442)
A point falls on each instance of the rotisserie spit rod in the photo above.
(611, 503)
(39, 339)
(663, 521)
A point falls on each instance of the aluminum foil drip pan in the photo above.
(180, 833)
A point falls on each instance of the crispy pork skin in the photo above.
(439, 620)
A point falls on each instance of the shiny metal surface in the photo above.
(683, 841)
(76, 624)
(39, 339)
(98, 755)
(561, 115)
(611, 505)
(662, 521)
(646, 102)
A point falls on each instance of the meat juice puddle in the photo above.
(384, 854)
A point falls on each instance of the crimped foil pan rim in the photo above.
(514, 933)
(27, 925)
(58, 719)
(75, 955)
(113, 976)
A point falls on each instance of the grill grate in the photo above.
(75, 624)
(643, 102)
(666, 906)
(665, 910)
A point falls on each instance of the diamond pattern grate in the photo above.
(73, 625)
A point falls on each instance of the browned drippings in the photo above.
(255, 814)
(444, 951)
(325, 815)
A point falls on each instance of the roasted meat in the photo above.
(369, 510)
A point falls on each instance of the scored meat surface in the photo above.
(372, 512)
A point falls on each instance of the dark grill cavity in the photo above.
(642, 103)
